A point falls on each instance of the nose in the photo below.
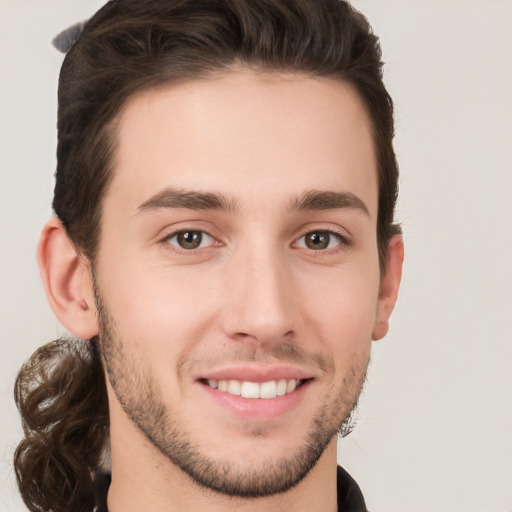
(260, 303)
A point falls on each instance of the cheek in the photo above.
(342, 310)
(160, 312)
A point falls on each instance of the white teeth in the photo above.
(247, 389)
(234, 387)
(292, 384)
(281, 388)
(250, 390)
(268, 389)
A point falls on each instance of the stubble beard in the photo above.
(137, 392)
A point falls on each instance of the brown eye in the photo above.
(319, 240)
(190, 240)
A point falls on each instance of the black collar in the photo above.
(350, 498)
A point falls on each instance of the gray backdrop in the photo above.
(435, 421)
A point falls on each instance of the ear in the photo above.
(389, 284)
(68, 281)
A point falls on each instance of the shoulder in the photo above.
(101, 485)
(350, 497)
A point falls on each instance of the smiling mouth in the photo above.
(247, 389)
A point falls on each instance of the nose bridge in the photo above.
(260, 304)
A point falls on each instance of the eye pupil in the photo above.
(189, 239)
(317, 240)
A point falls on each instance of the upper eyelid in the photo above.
(174, 233)
(343, 240)
(172, 230)
(343, 233)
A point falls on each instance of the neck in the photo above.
(143, 479)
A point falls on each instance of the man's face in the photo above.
(238, 258)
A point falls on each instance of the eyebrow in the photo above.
(318, 200)
(189, 199)
(313, 200)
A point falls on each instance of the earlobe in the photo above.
(67, 280)
(390, 283)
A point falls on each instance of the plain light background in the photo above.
(435, 419)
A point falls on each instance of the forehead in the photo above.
(250, 135)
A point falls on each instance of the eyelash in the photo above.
(343, 241)
(188, 252)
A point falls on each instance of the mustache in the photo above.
(284, 352)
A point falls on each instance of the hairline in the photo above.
(112, 126)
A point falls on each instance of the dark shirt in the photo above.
(350, 498)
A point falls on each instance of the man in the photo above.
(224, 251)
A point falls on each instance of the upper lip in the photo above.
(250, 373)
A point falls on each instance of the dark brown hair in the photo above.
(60, 393)
(127, 47)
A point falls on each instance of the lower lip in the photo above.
(258, 408)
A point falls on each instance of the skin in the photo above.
(252, 297)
